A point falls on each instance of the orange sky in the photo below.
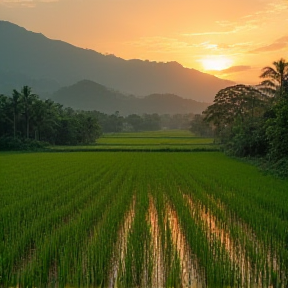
(238, 36)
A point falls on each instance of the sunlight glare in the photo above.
(216, 63)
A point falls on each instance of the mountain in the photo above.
(88, 95)
(169, 104)
(51, 64)
(13, 80)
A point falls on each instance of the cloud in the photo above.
(235, 69)
(235, 47)
(231, 70)
(237, 28)
(279, 44)
(270, 11)
(160, 44)
(247, 22)
(24, 3)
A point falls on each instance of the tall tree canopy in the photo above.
(235, 103)
(248, 123)
(25, 115)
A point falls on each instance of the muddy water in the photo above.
(188, 266)
(157, 253)
(273, 262)
(189, 275)
(235, 251)
(189, 270)
(118, 260)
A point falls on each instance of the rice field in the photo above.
(152, 134)
(153, 140)
(108, 219)
(165, 140)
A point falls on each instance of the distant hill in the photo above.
(88, 95)
(31, 58)
(13, 80)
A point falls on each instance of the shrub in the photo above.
(18, 144)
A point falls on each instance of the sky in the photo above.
(227, 38)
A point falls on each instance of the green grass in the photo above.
(154, 134)
(63, 220)
(136, 148)
(171, 140)
(154, 141)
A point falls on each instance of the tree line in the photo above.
(145, 122)
(252, 121)
(26, 121)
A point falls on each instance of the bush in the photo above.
(280, 167)
(247, 139)
(19, 144)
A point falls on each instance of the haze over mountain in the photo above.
(88, 95)
(29, 58)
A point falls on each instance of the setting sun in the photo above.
(216, 63)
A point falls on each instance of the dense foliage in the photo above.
(145, 122)
(253, 121)
(200, 127)
(26, 116)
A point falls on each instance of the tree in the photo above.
(88, 129)
(27, 98)
(151, 122)
(200, 127)
(277, 132)
(24, 114)
(235, 103)
(111, 123)
(135, 121)
(44, 119)
(238, 115)
(277, 126)
(274, 83)
(16, 102)
(5, 117)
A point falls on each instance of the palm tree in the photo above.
(275, 77)
(44, 116)
(5, 119)
(15, 103)
(28, 98)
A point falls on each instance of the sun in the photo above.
(216, 63)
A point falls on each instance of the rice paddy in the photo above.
(167, 140)
(109, 219)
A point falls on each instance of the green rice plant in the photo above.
(61, 214)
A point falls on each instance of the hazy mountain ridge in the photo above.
(61, 64)
(13, 80)
(88, 95)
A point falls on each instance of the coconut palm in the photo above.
(27, 98)
(275, 77)
(15, 103)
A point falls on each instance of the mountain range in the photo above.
(28, 58)
(88, 95)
